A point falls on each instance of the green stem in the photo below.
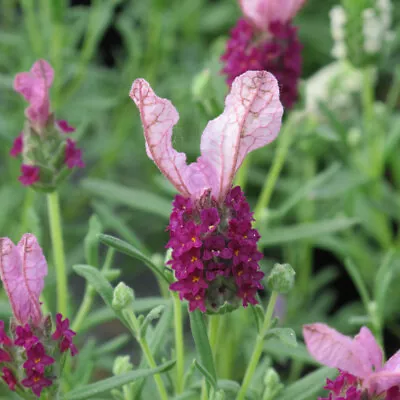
(179, 344)
(28, 202)
(135, 329)
(90, 294)
(284, 143)
(213, 328)
(58, 251)
(84, 308)
(152, 364)
(394, 92)
(258, 348)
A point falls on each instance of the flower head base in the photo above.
(266, 40)
(42, 141)
(214, 255)
(214, 252)
(362, 372)
(25, 352)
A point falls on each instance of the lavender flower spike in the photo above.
(214, 248)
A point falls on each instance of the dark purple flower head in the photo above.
(73, 155)
(277, 49)
(25, 337)
(9, 378)
(64, 126)
(18, 146)
(65, 335)
(37, 358)
(29, 174)
(4, 339)
(36, 381)
(214, 248)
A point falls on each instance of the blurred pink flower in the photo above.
(18, 146)
(29, 174)
(34, 87)
(73, 155)
(262, 12)
(361, 360)
(64, 126)
(266, 39)
(23, 269)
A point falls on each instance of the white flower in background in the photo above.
(376, 26)
(338, 22)
(333, 85)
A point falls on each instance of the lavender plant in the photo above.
(229, 275)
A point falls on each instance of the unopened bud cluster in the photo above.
(48, 154)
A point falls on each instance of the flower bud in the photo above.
(220, 395)
(121, 365)
(123, 297)
(273, 385)
(281, 278)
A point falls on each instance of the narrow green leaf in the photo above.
(305, 190)
(115, 222)
(285, 335)
(134, 198)
(211, 381)
(91, 242)
(203, 349)
(282, 353)
(155, 313)
(131, 251)
(95, 278)
(309, 386)
(358, 281)
(156, 339)
(287, 234)
(106, 314)
(382, 282)
(108, 384)
(112, 345)
(258, 314)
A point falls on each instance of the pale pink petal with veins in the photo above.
(386, 377)
(335, 350)
(372, 352)
(23, 268)
(251, 119)
(262, 12)
(159, 117)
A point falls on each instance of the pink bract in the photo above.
(34, 87)
(361, 356)
(22, 269)
(251, 119)
(262, 12)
